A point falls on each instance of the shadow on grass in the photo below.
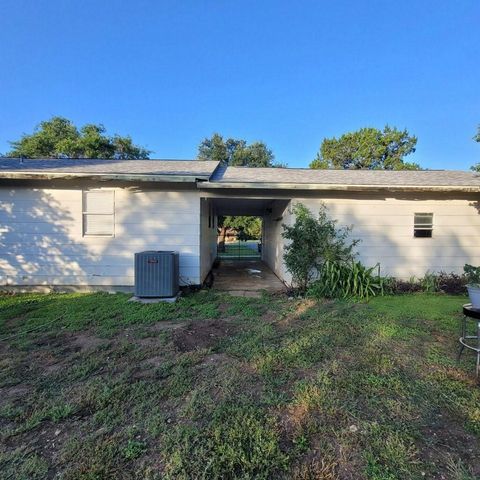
(291, 389)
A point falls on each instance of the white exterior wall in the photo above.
(41, 240)
(208, 237)
(384, 226)
(272, 242)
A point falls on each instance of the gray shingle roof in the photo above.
(221, 176)
(347, 177)
(101, 167)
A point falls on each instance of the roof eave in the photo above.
(127, 177)
(339, 187)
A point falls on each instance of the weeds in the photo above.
(287, 389)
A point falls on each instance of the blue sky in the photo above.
(288, 73)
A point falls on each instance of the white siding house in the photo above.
(78, 223)
(79, 231)
(385, 228)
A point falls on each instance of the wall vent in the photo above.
(156, 274)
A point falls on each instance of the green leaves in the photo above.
(60, 137)
(235, 152)
(367, 148)
(476, 168)
(347, 280)
(472, 273)
(314, 241)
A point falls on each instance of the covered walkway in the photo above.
(245, 278)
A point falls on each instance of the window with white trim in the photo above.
(423, 225)
(98, 212)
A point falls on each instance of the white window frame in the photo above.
(423, 226)
(86, 213)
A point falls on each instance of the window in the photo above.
(98, 212)
(423, 225)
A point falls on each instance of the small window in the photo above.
(98, 212)
(423, 225)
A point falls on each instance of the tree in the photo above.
(235, 152)
(476, 168)
(312, 243)
(59, 137)
(367, 148)
(252, 226)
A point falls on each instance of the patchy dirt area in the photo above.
(228, 387)
(201, 335)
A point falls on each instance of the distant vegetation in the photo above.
(476, 167)
(234, 152)
(59, 137)
(368, 149)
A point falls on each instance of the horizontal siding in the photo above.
(152, 218)
(186, 278)
(127, 239)
(49, 263)
(385, 230)
(41, 240)
(384, 227)
(182, 225)
(208, 236)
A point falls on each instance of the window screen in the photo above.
(423, 225)
(98, 212)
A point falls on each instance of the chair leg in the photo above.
(462, 337)
(478, 352)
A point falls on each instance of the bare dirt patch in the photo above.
(447, 438)
(201, 335)
(86, 341)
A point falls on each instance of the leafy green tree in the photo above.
(476, 168)
(250, 226)
(59, 137)
(235, 152)
(312, 243)
(367, 148)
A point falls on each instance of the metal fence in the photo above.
(250, 249)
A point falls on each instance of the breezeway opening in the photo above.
(246, 263)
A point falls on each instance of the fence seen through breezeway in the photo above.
(239, 249)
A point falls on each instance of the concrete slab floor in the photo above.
(246, 278)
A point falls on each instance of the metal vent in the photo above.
(156, 274)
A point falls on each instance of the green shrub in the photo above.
(429, 282)
(472, 274)
(348, 280)
(442, 282)
(314, 241)
(451, 283)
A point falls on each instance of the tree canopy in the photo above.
(476, 168)
(367, 148)
(59, 137)
(235, 152)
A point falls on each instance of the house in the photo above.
(77, 223)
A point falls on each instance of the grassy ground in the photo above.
(217, 387)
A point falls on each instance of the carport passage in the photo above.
(245, 278)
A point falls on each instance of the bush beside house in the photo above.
(322, 261)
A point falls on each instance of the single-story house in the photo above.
(78, 223)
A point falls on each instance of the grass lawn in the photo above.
(218, 387)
